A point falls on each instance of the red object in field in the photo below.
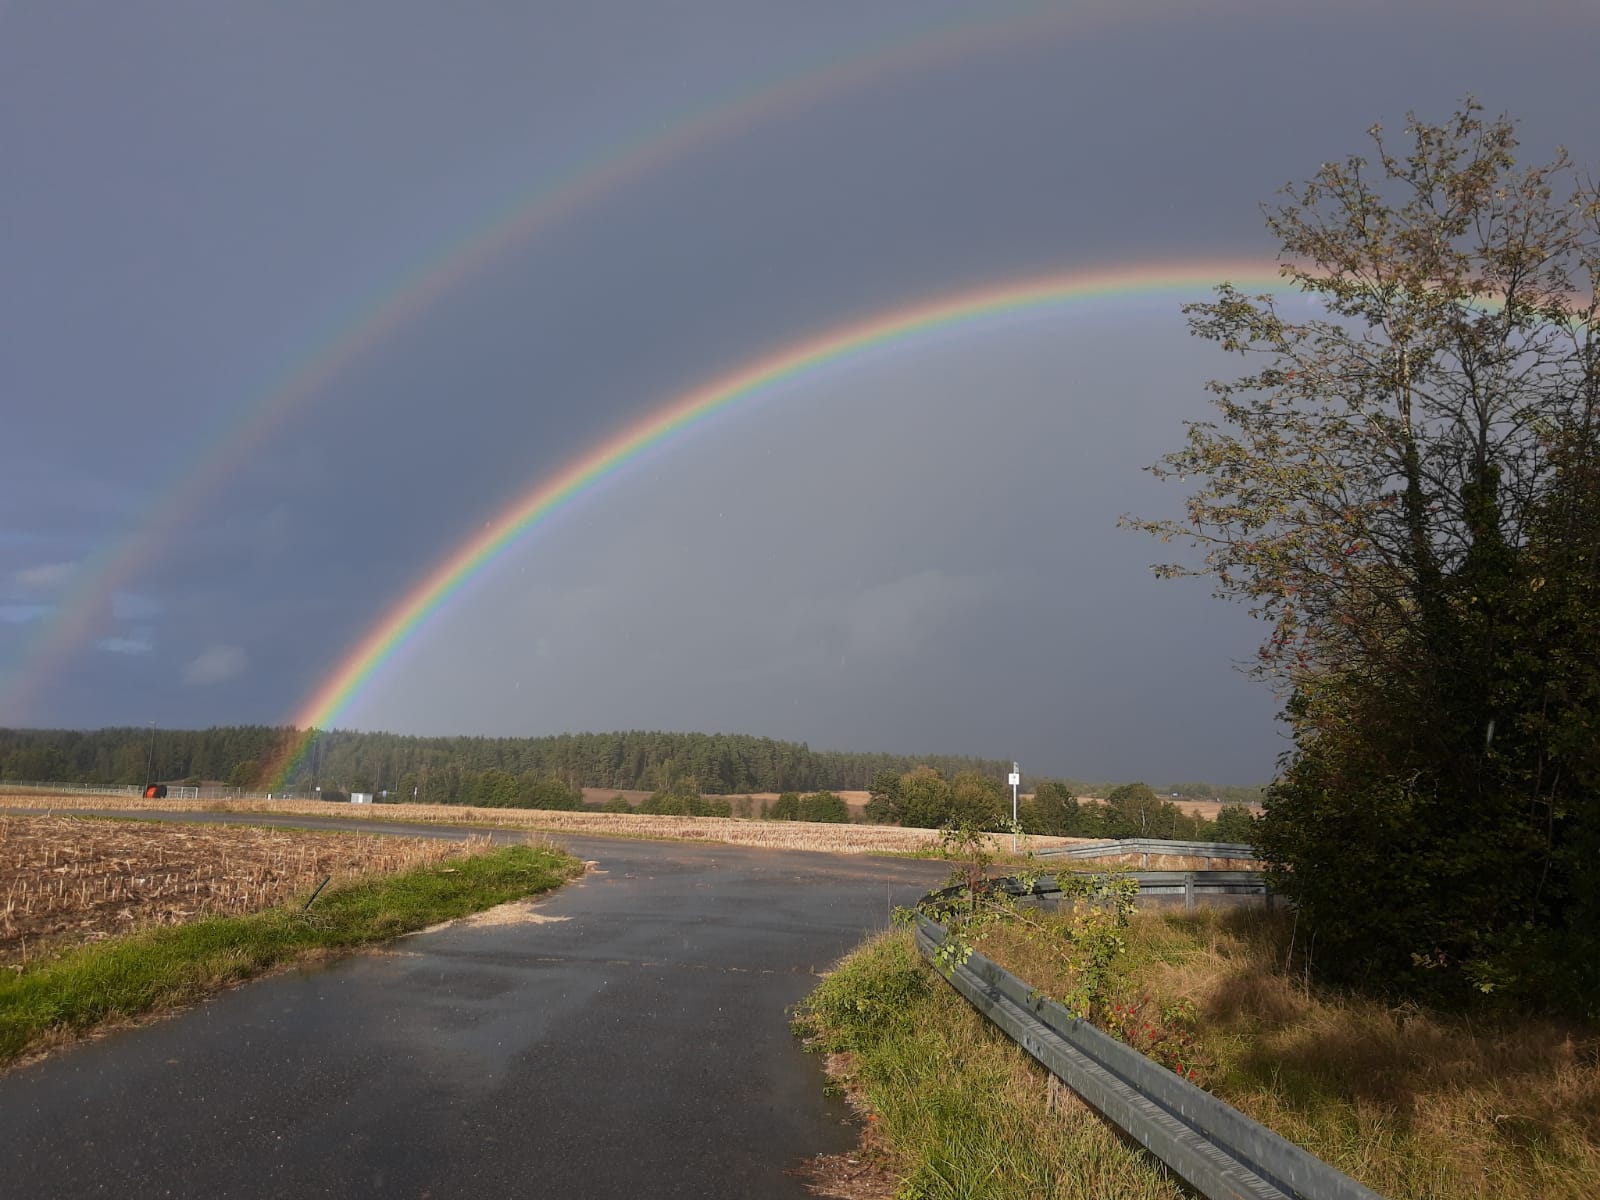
(155, 791)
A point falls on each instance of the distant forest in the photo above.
(444, 770)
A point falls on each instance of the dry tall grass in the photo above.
(781, 835)
(68, 880)
(1418, 1105)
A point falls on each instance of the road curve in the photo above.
(630, 1041)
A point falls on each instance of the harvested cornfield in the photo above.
(780, 835)
(69, 880)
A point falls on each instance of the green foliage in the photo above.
(617, 804)
(824, 806)
(883, 798)
(682, 800)
(785, 808)
(501, 789)
(961, 1110)
(927, 800)
(1406, 490)
(1162, 1032)
(1052, 811)
(865, 996)
(1235, 823)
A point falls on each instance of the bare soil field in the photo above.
(781, 835)
(67, 880)
(600, 795)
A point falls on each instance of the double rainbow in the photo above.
(377, 317)
(692, 409)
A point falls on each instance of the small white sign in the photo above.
(1014, 778)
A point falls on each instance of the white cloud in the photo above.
(215, 664)
(139, 643)
(44, 577)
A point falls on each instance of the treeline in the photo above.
(926, 798)
(445, 769)
(687, 773)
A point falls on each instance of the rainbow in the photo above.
(377, 317)
(695, 407)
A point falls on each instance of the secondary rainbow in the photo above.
(364, 328)
(692, 408)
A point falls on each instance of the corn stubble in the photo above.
(65, 881)
(776, 835)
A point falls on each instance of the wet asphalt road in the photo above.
(634, 1043)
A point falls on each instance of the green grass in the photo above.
(959, 1111)
(161, 968)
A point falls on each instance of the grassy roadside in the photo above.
(166, 967)
(1417, 1105)
(954, 1109)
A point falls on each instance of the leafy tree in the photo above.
(1053, 810)
(1136, 811)
(883, 798)
(617, 804)
(547, 791)
(1235, 823)
(1404, 488)
(667, 804)
(824, 806)
(977, 801)
(713, 806)
(785, 808)
(924, 798)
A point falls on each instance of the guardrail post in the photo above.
(1188, 891)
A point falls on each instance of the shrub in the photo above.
(824, 806)
(785, 808)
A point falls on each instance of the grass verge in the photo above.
(954, 1109)
(165, 967)
(1416, 1104)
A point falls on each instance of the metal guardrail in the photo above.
(1191, 885)
(1148, 846)
(1215, 1148)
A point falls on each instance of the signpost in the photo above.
(1014, 779)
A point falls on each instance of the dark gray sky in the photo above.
(913, 550)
